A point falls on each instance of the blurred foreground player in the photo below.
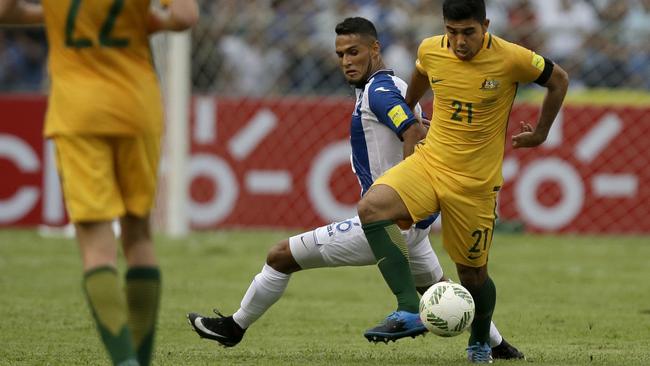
(105, 117)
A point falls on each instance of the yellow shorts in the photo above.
(467, 220)
(105, 177)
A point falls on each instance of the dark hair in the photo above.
(464, 9)
(356, 25)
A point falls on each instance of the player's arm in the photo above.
(417, 87)
(20, 12)
(179, 15)
(387, 103)
(557, 85)
(413, 134)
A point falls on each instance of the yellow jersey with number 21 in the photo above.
(471, 107)
(101, 69)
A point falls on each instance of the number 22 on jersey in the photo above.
(104, 36)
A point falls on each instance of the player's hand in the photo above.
(425, 122)
(178, 15)
(526, 137)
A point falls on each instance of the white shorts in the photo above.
(344, 243)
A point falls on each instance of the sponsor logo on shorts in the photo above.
(302, 239)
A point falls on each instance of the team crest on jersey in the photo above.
(490, 84)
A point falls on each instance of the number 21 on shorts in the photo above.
(482, 241)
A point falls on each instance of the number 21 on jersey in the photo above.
(458, 109)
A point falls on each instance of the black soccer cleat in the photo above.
(506, 351)
(222, 329)
(397, 325)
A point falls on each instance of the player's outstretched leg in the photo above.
(222, 329)
(265, 290)
(397, 325)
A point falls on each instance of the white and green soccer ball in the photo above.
(447, 309)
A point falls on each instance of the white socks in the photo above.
(267, 287)
(495, 336)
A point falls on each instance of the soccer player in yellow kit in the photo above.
(105, 117)
(457, 169)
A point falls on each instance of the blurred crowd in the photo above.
(276, 47)
(22, 60)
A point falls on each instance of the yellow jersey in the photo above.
(101, 69)
(471, 107)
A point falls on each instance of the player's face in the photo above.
(466, 37)
(357, 56)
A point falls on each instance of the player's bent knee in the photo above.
(472, 277)
(363, 210)
(368, 211)
(382, 203)
(135, 228)
(277, 253)
(280, 258)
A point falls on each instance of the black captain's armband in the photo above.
(546, 73)
(408, 125)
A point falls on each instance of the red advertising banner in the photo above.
(285, 163)
(29, 190)
(591, 175)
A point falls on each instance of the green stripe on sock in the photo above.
(143, 295)
(390, 250)
(396, 237)
(108, 306)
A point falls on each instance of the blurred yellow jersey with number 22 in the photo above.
(101, 68)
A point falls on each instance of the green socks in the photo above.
(390, 250)
(120, 327)
(143, 295)
(108, 306)
(485, 298)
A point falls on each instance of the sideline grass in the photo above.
(562, 300)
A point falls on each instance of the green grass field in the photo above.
(562, 300)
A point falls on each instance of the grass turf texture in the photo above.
(562, 300)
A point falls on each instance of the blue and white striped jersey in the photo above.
(379, 118)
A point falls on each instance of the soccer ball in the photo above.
(447, 309)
